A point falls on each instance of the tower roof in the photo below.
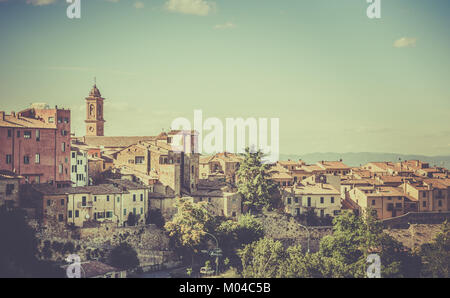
(95, 92)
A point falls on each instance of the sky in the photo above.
(337, 80)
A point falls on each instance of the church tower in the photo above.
(94, 113)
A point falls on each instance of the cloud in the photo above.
(40, 2)
(194, 7)
(227, 25)
(138, 5)
(405, 42)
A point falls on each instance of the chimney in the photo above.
(2, 115)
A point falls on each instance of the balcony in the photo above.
(86, 205)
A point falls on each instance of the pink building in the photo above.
(35, 143)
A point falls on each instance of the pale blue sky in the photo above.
(337, 80)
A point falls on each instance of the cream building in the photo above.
(322, 197)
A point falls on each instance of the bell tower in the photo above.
(94, 113)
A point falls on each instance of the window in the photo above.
(18, 133)
(74, 169)
(142, 197)
(296, 200)
(26, 159)
(37, 158)
(95, 199)
(60, 217)
(51, 119)
(107, 198)
(373, 202)
(49, 203)
(118, 199)
(398, 205)
(63, 147)
(289, 201)
(139, 160)
(424, 203)
(27, 134)
(134, 198)
(134, 211)
(38, 135)
(83, 201)
(424, 195)
(64, 133)
(9, 189)
(142, 210)
(9, 133)
(60, 168)
(77, 213)
(108, 214)
(440, 203)
(309, 202)
(62, 202)
(124, 212)
(209, 200)
(70, 213)
(73, 154)
(66, 120)
(59, 120)
(8, 158)
(321, 200)
(193, 170)
(332, 200)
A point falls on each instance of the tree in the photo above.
(436, 255)
(233, 235)
(191, 223)
(132, 220)
(355, 237)
(262, 259)
(155, 217)
(18, 248)
(253, 182)
(124, 256)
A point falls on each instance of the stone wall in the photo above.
(416, 218)
(150, 243)
(285, 228)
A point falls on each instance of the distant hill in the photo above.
(360, 158)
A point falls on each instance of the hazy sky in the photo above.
(337, 80)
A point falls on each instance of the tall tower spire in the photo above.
(94, 112)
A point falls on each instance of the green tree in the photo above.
(355, 237)
(18, 248)
(155, 217)
(233, 235)
(132, 220)
(191, 223)
(124, 256)
(253, 182)
(262, 259)
(436, 255)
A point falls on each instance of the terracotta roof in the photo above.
(95, 141)
(24, 122)
(333, 165)
(48, 189)
(316, 189)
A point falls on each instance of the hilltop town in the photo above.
(97, 191)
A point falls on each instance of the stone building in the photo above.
(36, 144)
(221, 166)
